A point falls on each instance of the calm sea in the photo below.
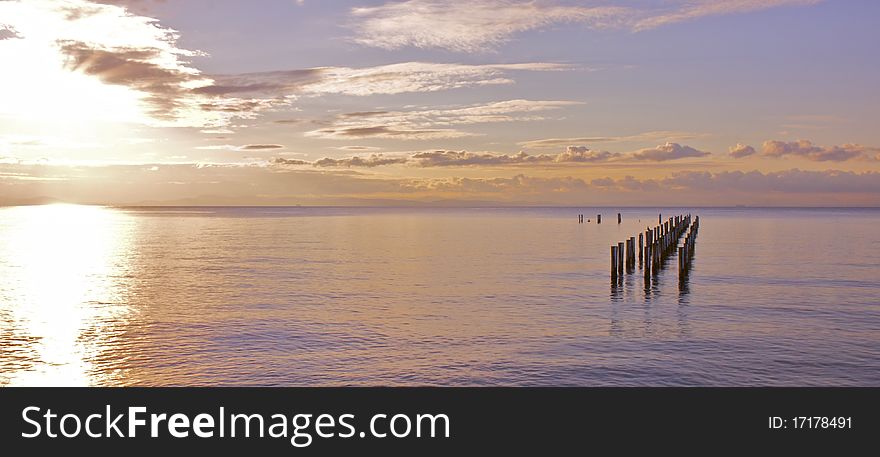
(330, 296)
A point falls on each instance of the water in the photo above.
(323, 296)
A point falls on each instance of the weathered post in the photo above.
(620, 259)
(641, 247)
(613, 262)
(619, 219)
(632, 253)
(599, 219)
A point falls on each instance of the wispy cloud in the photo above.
(481, 25)
(246, 147)
(434, 123)
(466, 26)
(658, 135)
(685, 10)
(391, 79)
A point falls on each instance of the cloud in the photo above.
(386, 132)
(519, 185)
(293, 162)
(584, 154)
(465, 26)
(102, 61)
(463, 158)
(374, 160)
(433, 123)
(659, 135)
(689, 10)
(668, 151)
(789, 181)
(742, 150)
(261, 147)
(371, 161)
(358, 148)
(246, 147)
(391, 79)
(163, 83)
(152, 75)
(259, 184)
(482, 25)
(446, 158)
(7, 32)
(809, 151)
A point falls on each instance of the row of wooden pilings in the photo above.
(655, 245)
(686, 250)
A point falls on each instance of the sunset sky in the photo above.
(366, 102)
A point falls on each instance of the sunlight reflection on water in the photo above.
(336, 296)
(58, 297)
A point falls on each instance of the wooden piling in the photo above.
(656, 245)
(613, 262)
(619, 219)
(599, 219)
(631, 253)
(641, 246)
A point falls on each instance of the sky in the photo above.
(432, 102)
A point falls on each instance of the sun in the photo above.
(42, 89)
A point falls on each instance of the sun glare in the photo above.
(42, 89)
(59, 262)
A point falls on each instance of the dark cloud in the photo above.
(358, 148)
(384, 131)
(134, 68)
(272, 84)
(7, 32)
(261, 147)
(364, 114)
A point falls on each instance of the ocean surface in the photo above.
(452, 297)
